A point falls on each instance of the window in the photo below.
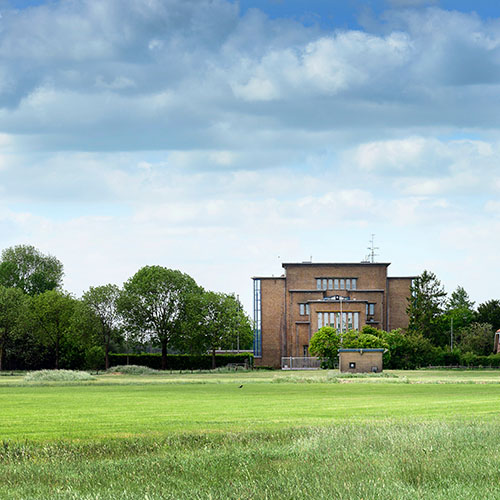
(304, 309)
(371, 309)
(324, 283)
(330, 284)
(344, 322)
(342, 283)
(347, 284)
(257, 315)
(336, 280)
(318, 284)
(354, 283)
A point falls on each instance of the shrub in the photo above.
(133, 370)
(58, 376)
(180, 361)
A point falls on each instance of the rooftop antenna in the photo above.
(371, 256)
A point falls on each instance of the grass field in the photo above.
(420, 434)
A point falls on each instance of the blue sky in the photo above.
(222, 138)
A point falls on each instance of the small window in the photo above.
(330, 284)
(324, 284)
(307, 309)
(336, 281)
(354, 283)
(342, 283)
(352, 364)
(347, 284)
(318, 284)
(371, 309)
(302, 309)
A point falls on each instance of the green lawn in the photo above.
(421, 434)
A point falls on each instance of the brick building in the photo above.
(290, 308)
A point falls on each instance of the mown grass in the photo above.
(201, 436)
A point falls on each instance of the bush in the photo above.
(133, 370)
(57, 376)
(180, 361)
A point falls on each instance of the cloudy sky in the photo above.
(222, 138)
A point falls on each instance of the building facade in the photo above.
(289, 309)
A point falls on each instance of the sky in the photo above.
(223, 138)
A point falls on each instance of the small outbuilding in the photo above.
(360, 360)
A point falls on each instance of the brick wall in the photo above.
(364, 361)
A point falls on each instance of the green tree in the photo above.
(26, 268)
(325, 344)
(52, 314)
(154, 302)
(12, 310)
(477, 338)
(102, 301)
(489, 312)
(425, 308)
(219, 322)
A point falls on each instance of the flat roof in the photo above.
(286, 264)
(401, 277)
(361, 350)
(267, 278)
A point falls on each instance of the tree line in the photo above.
(43, 326)
(442, 330)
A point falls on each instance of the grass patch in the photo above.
(58, 376)
(369, 461)
(133, 370)
(202, 436)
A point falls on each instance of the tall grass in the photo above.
(133, 370)
(349, 461)
(58, 376)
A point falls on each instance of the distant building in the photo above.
(289, 309)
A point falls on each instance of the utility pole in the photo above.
(451, 334)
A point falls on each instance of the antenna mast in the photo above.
(371, 256)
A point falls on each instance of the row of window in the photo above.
(304, 309)
(341, 322)
(336, 283)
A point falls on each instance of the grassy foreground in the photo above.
(173, 437)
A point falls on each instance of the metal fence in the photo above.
(295, 363)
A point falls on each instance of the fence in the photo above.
(295, 363)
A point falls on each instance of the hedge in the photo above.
(180, 361)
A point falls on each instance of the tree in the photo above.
(52, 313)
(459, 311)
(218, 321)
(12, 309)
(26, 268)
(325, 344)
(154, 301)
(477, 338)
(102, 302)
(489, 312)
(425, 307)
(460, 299)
